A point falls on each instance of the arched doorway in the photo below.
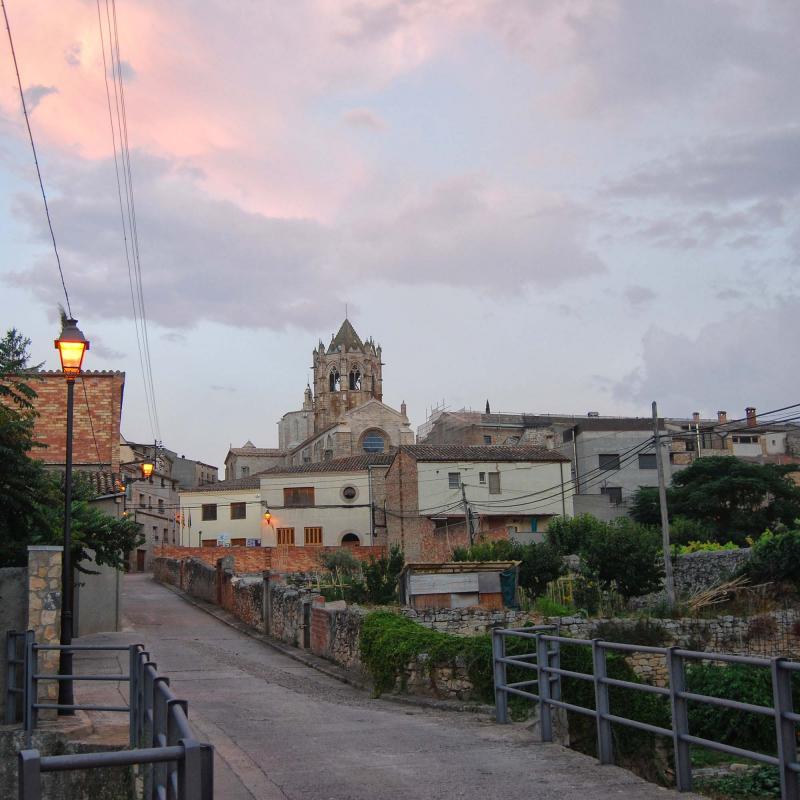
(351, 540)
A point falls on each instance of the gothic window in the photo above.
(334, 380)
(355, 378)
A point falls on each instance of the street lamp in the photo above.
(147, 469)
(71, 346)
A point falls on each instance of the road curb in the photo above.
(323, 666)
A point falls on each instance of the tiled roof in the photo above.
(256, 451)
(250, 482)
(350, 464)
(455, 452)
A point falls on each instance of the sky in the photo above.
(559, 206)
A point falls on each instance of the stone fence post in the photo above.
(44, 613)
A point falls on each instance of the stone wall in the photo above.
(335, 632)
(776, 633)
(466, 621)
(200, 580)
(13, 613)
(697, 571)
(242, 595)
(289, 613)
(168, 570)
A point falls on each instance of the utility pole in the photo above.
(467, 517)
(669, 580)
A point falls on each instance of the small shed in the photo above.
(459, 584)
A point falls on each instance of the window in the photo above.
(334, 380)
(245, 471)
(608, 461)
(454, 480)
(373, 443)
(166, 535)
(534, 524)
(160, 506)
(141, 501)
(481, 477)
(355, 378)
(155, 533)
(614, 494)
(238, 510)
(351, 540)
(209, 511)
(298, 496)
(494, 483)
(487, 439)
(567, 435)
(162, 483)
(647, 461)
(285, 535)
(349, 493)
(313, 536)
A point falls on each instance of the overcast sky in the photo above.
(558, 206)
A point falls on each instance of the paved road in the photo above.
(285, 731)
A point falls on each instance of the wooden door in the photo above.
(140, 554)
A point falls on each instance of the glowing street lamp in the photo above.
(72, 346)
(147, 469)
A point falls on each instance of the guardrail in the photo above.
(545, 661)
(175, 765)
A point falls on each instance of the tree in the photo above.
(32, 507)
(730, 497)
(627, 555)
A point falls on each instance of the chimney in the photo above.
(695, 416)
(722, 417)
(752, 421)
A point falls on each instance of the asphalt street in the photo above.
(284, 731)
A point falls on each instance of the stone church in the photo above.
(343, 415)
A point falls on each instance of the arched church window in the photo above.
(334, 380)
(355, 378)
(373, 443)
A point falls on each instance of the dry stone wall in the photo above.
(466, 621)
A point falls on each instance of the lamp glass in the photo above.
(71, 354)
(147, 469)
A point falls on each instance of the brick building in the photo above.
(511, 492)
(96, 420)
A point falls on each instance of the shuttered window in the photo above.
(494, 483)
(285, 535)
(313, 535)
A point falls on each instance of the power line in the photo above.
(122, 214)
(91, 424)
(36, 159)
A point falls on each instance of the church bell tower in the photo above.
(346, 375)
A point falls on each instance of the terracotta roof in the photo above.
(455, 452)
(250, 482)
(350, 464)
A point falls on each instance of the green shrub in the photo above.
(734, 682)
(683, 530)
(762, 782)
(628, 555)
(550, 608)
(540, 563)
(381, 576)
(643, 631)
(569, 535)
(702, 547)
(775, 557)
(341, 562)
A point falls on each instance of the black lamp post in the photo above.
(71, 346)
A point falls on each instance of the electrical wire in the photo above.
(36, 158)
(91, 423)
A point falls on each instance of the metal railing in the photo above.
(545, 660)
(175, 765)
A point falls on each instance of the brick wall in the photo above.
(104, 391)
(245, 559)
(260, 559)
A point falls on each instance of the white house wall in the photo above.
(248, 528)
(331, 511)
(516, 480)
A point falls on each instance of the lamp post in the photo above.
(71, 346)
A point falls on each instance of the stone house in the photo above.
(511, 492)
(249, 459)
